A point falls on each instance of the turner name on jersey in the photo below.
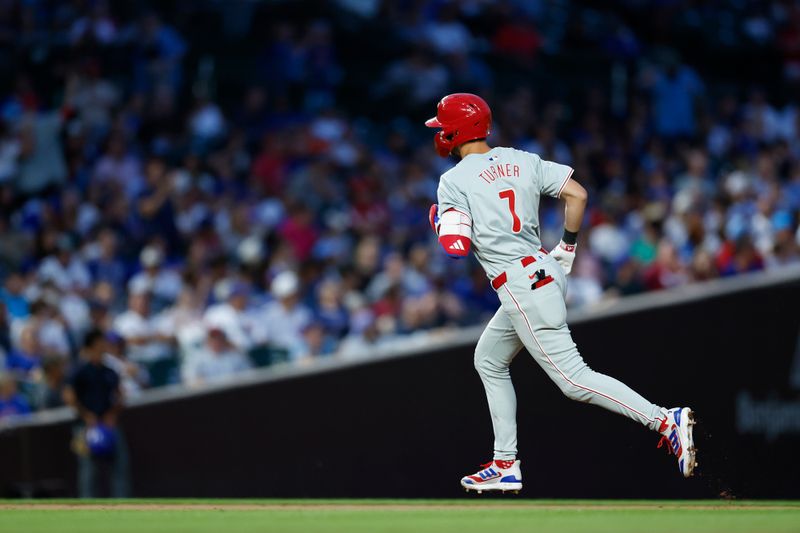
(494, 172)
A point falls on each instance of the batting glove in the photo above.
(433, 218)
(565, 254)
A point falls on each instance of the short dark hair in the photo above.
(93, 336)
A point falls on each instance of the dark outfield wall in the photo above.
(411, 427)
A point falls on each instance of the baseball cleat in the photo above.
(497, 475)
(676, 431)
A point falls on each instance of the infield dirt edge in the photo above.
(481, 506)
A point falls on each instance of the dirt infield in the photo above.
(233, 507)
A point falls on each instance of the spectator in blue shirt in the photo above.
(27, 358)
(674, 96)
(12, 297)
(11, 401)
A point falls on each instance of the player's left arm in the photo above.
(575, 198)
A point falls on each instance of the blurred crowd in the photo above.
(211, 216)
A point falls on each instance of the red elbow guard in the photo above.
(455, 233)
(455, 245)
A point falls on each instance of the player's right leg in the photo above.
(494, 352)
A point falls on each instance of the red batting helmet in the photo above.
(463, 117)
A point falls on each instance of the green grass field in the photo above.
(417, 516)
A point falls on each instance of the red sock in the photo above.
(504, 463)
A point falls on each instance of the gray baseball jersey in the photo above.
(500, 191)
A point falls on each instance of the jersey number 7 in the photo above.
(508, 194)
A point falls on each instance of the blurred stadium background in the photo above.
(226, 202)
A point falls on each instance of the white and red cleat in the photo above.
(676, 431)
(496, 475)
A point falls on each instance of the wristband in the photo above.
(570, 237)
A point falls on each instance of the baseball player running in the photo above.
(489, 203)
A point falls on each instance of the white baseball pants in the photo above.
(536, 319)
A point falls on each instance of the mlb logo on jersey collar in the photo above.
(494, 158)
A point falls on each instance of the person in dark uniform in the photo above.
(94, 392)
